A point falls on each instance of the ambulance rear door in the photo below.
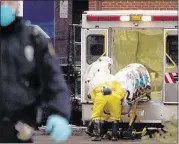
(94, 44)
(170, 66)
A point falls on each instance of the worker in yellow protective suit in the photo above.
(106, 95)
(103, 64)
(105, 116)
(107, 98)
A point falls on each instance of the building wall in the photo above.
(133, 4)
(62, 32)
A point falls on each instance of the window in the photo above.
(77, 54)
(172, 48)
(95, 47)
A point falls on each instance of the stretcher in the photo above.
(140, 92)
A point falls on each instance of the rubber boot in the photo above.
(90, 128)
(114, 131)
(104, 130)
(98, 130)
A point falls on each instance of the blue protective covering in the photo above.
(58, 128)
(7, 15)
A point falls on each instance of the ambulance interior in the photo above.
(140, 46)
(145, 46)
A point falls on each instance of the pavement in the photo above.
(77, 140)
(41, 138)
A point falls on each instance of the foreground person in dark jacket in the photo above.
(29, 77)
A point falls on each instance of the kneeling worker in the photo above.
(106, 95)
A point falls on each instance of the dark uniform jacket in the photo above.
(29, 75)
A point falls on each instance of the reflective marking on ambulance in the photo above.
(131, 18)
(171, 78)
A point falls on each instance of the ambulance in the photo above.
(149, 37)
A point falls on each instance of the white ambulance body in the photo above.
(97, 39)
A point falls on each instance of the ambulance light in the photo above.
(146, 18)
(92, 18)
(135, 18)
(125, 18)
(168, 18)
(108, 18)
(165, 18)
(131, 18)
(156, 18)
(114, 18)
(85, 12)
(102, 18)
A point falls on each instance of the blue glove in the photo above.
(58, 128)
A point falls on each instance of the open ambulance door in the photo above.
(170, 66)
(94, 45)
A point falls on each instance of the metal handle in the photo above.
(105, 44)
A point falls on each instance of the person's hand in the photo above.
(58, 128)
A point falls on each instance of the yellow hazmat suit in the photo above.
(106, 95)
(108, 103)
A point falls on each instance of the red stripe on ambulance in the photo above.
(170, 78)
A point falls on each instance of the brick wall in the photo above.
(133, 4)
(62, 31)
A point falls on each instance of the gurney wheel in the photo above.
(109, 135)
(133, 136)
